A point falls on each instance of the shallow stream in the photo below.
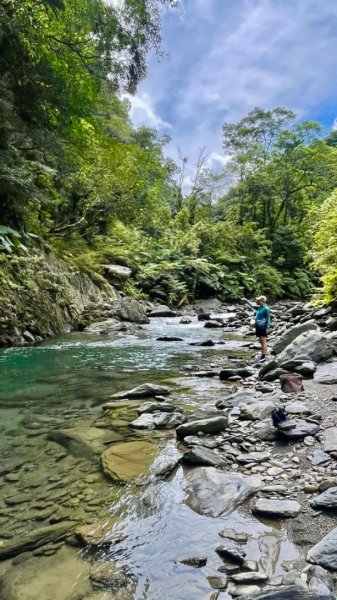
(61, 385)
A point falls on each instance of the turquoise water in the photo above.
(61, 385)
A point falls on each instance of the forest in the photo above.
(77, 178)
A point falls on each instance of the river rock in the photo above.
(162, 311)
(326, 500)
(276, 508)
(297, 408)
(253, 457)
(213, 493)
(203, 456)
(145, 421)
(326, 374)
(234, 555)
(232, 371)
(236, 536)
(128, 460)
(329, 439)
(214, 324)
(291, 334)
(245, 591)
(82, 441)
(325, 552)
(146, 390)
(151, 407)
(320, 581)
(289, 592)
(108, 575)
(97, 534)
(311, 345)
(252, 577)
(299, 429)
(212, 425)
(242, 397)
(194, 561)
(274, 374)
(169, 338)
(131, 310)
(319, 457)
(35, 539)
(105, 327)
(257, 411)
(164, 420)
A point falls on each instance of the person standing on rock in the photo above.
(262, 322)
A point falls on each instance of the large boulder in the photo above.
(329, 439)
(311, 345)
(326, 373)
(327, 499)
(291, 334)
(117, 274)
(212, 425)
(162, 311)
(128, 460)
(325, 552)
(129, 309)
(213, 493)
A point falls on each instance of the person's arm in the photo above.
(251, 304)
(268, 318)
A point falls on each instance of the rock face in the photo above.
(291, 334)
(326, 373)
(276, 508)
(128, 460)
(212, 425)
(213, 493)
(326, 500)
(325, 552)
(311, 345)
(146, 390)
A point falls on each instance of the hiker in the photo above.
(262, 322)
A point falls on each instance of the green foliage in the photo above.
(324, 254)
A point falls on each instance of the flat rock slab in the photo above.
(151, 407)
(212, 425)
(146, 390)
(329, 439)
(162, 311)
(326, 374)
(213, 493)
(311, 345)
(253, 457)
(326, 500)
(325, 552)
(35, 539)
(203, 456)
(276, 508)
(257, 411)
(319, 457)
(297, 408)
(300, 430)
(128, 460)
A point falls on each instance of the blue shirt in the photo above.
(262, 317)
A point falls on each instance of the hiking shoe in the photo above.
(260, 359)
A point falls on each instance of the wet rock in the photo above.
(327, 499)
(329, 439)
(214, 324)
(204, 317)
(162, 311)
(105, 327)
(169, 338)
(299, 430)
(325, 552)
(185, 321)
(331, 323)
(306, 369)
(48, 578)
(274, 374)
(212, 492)
(243, 397)
(35, 539)
(204, 343)
(245, 591)
(108, 575)
(212, 425)
(146, 390)
(319, 457)
(231, 534)
(257, 411)
(253, 577)
(131, 310)
(253, 457)
(276, 508)
(166, 462)
(151, 407)
(203, 456)
(168, 420)
(128, 460)
(145, 421)
(208, 373)
(97, 534)
(232, 371)
(82, 441)
(217, 582)
(234, 555)
(250, 565)
(311, 345)
(194, 561)
(326, 374)
(289, 592)
(291, 334)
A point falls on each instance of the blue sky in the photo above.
(227, 56)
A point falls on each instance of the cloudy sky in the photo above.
(227, 56)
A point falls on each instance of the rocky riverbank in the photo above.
(227, 456)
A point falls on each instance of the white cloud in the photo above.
(143, 112)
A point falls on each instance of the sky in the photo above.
(224, 57)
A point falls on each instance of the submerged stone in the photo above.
(128, 460)
(146, 390)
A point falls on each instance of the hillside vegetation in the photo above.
(77, 178)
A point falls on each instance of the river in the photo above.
(61, 384)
